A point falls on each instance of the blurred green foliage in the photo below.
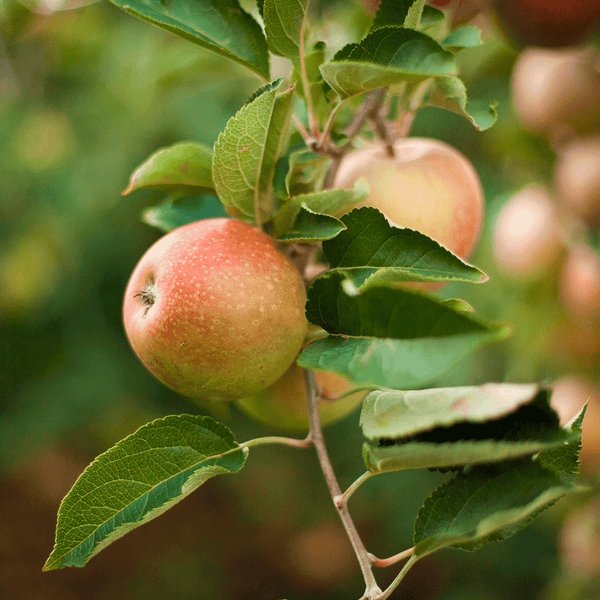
(85, 96)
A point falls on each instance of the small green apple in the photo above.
(215, 311)
(284, 405)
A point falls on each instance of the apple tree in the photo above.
(314, 294)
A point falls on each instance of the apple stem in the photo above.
(370, 109)
(373, 591)
(386, 562)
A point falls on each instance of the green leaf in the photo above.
(388, 337)
(401, 414)
(458, 304)
(186, 166)
(137, 480)
(450, 93)
(309, 226)
(565, 459)
(268, 87)
(453, 455)
(222, 27)
(306, 170)
(177, 212)
(375, 253)
(391, 13)
(326, 202)
(386, 57)
(415, 12)
(284, 21)
(487, 504)
(463, 37)
(246, 154)
(450, 427)
(313, 61)
(432, 17)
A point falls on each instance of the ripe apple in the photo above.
(284, 405)
(526, 235)
(427, 185)
(548, 23)
(557, 91)
(215, 311)
(577, 178)
(579, 283)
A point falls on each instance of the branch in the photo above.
(372, 589)
(369, 109)
(386, 562)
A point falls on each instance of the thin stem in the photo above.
(396, 582)
(406, 120)
(272, 439)
(312, 120)
(342, 499)
(308, 139)
(372, 589)
(275, 439)
(324, 138)
(369, 107)
(379, 123)
(392, 560)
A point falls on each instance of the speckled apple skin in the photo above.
(228, 313)
(428, 186)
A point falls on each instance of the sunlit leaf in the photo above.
(486, 504)
(174, 213)
(390, 337)
(386, 57)
(186, 166)
(137, 480)
(246, 154)
(450, 93)
(284, 20)
(374, 253)
(220, 26)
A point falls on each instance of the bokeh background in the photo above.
(85, 96)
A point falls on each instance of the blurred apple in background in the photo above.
(579, 283)
(526, 239)
(580, 542)
(427, 185)
(577, 178)
(547, 23)
(557, 92)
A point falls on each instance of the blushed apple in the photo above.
(284, 405)
(579, 283)
(548, 23)
(577, 178)
(427, 185)
(215, 311)
(526, 238)
(557, 92)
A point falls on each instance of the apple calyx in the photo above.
(147, 297)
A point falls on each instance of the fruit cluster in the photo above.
(557, 93)
(549, 233)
